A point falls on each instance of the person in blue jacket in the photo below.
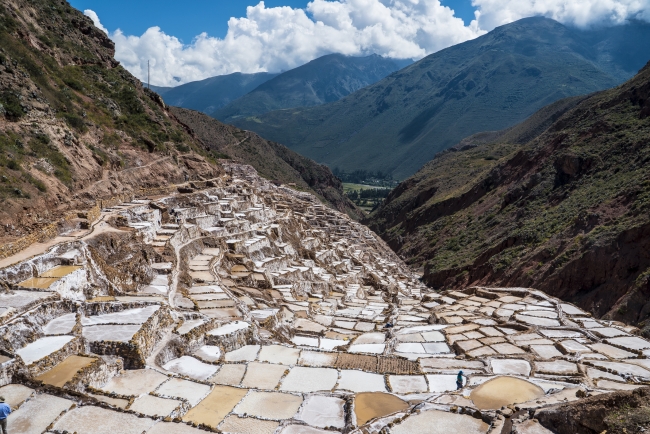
(459, 380)
(4, 413)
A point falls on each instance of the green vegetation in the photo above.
(366, 197)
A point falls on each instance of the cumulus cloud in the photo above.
(93, 16)
(281, 38)
(581, 13)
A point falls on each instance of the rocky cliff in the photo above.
(565, 211)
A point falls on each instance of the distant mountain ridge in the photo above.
(326, 79)
(489, 83)
(212, 93)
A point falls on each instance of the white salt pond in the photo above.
(208, 353)
(61, 325)
(128, 316)
(359, 381)
(191, 367)
(114, 333)
(323, 411)
(302, 379)
(269, 405)
(440, 422)
(135, 382)
(95, 420)
(185, 389)
(42, 347)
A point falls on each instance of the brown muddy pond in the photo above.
(502, 391)
(64, 371)
(38, 282)
(61, 271)
(369, 405)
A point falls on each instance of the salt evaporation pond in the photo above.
(503, 391)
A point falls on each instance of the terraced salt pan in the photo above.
(15, 394)
(302, 429)
(95, 420)
(65, 371)
(128, 316)
(439, 383)
(370, 338)
(611, 352)
(18, 299)
(439, 422)
(317, 359)
(368, 406)
(302, 379)
(404, 384)
(214, 408)
(545, 351)
(173, 428)
(630, 343)
(42, 347)
(113, 333)
(559, 367)
(184, 389)
(154, 406)
(269, 405)
(229, 374)
(367, 348)
(248, 425)
(359, 381)
(279, 354)
(135, 382)
(323, 411)
(61, 325)
(247, 353)
(330, 344)
(35, 415)
(510, 367)
(502, 391)
(263, 375)
(622, 368)
(191, 367)
(208, 353)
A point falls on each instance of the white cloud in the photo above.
(93, 16)
(281, 38)
(581, 13)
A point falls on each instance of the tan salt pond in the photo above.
(61, 271)
(503, 391)
(64, 371)
(38, 282)
(368, 406)
(216, 406)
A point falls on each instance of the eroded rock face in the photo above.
(246, 307)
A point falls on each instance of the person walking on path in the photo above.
(459, 380)
(4, 413)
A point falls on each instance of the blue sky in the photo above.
(186, 19)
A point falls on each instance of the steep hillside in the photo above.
(74, 125)
(272, 160)
(326, 79)
(215, 92)
(567, 212)
(489, 83)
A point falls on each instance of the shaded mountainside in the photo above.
(567, 212)
(271, 160)
(212, 93)
(74, 125)
(326, 79)
(489, 83)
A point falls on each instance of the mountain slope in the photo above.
(567, 212)
(75, 126)
(271, 160)
(215, 92)
(489, 83)
(326, 79)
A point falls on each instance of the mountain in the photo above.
(76, 127)
(326, 79)
(215, 92)
(271, 160)
(560, 202)
(160, 90)
(489, 83)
